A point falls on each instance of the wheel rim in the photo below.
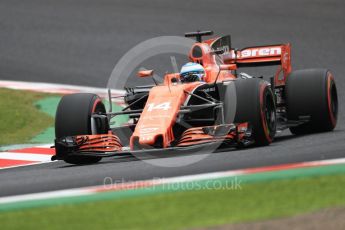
(334, 101)
(270, 115)
(98, 107)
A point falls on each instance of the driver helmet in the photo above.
(191, 72)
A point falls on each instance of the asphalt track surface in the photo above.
(80, 41)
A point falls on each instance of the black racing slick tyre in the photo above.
(312, 93)
(73, 117)
(255, 104)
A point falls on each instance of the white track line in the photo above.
(54, 88)
(25, 156)
(45, 195)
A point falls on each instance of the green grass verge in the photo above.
(21, 120)
(188, 209)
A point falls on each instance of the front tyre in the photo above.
(73, 117)
(255, 104)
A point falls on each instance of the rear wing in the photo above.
(263, 56)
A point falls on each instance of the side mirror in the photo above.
(145, 73)
(228, 67)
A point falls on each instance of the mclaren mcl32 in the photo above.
(226, 108)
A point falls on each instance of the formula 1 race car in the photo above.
(223, 107)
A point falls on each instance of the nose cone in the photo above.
(155, 125)
(147, 136)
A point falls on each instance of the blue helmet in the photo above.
(192, 72)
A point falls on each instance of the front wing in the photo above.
(198, 139)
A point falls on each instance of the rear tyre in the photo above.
(312, 93)
(73, 117)
(254, 104)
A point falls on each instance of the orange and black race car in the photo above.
(210, 103)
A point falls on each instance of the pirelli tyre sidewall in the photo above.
(256, 105)
(73, 117)
(312, 93)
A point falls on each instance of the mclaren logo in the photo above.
(257, 52)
